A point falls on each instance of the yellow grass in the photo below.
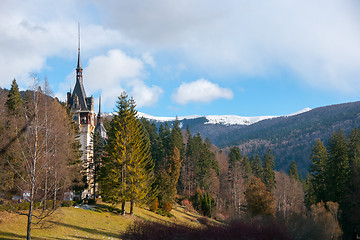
(77, 223)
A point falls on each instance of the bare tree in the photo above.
(43, 140)
(289, 196)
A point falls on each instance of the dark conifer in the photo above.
(256, 166)
(337, 167)
(293, 171)
(319, 158)
(14, 101)
(268, 170)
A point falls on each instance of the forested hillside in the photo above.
(291, 138)
(161, 167)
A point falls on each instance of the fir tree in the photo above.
(98, 145)
(256, 166)
(177, 139)
(14, 101)
(351, 203)
(337, 167)
(268, 170)
(293, 171)
(319, 158)
(127, 167)
(247, 167)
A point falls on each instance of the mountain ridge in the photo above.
(220, 119)
(290, 137)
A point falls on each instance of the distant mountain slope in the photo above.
(290, 137)
(218, 119)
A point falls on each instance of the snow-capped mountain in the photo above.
(219, 119)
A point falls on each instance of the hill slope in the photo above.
(77, 223)
(290, 137)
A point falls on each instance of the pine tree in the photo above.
(337, 167)
(293, 171)
(14, 102)
(319, 158)
(351, 203)
(354, 151)
(247, 167)
(127, 167)
(310, 196)
(167, 177)
(268, 170)
(98, 145)
(256, 166)
(177, 139)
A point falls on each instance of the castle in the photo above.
(82, 111)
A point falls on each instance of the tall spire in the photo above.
(79, 60)
(99, 114)
(99, 125)
(79, 88)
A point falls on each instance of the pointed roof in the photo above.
(99, 125)
(79, 90)
(99, 114)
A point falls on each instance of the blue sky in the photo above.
(189, 57)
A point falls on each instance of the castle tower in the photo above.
(82, 110)
(99, 123)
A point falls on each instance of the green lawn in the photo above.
(77, 223)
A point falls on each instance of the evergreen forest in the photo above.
(161, 167)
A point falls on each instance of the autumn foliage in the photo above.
(259, 200)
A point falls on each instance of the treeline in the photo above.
(158, 167)
(38, 151)
(334, 176)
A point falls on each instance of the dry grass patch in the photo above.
(77, 223)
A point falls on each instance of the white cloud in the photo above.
(144, 95)
(200, 91)
(317, 41)
(31, 33)
(148, 59)
(115, 72)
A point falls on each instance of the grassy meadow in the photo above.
(78, 223)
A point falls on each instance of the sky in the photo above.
(188, 57)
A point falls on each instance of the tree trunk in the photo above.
(55, 190)
(28, 233)
(45, 190)
(132, 207)
(123, 208)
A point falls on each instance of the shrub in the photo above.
(67, 203)
(164, 213)
(187, 204)
(22, 206)
(154, 205)
(168, 207)
(111, 208)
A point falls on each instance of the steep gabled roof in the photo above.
(79, 90)
(99, 125)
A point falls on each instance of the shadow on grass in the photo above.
(154, 217)
(8, 235)
(89, 230)
(235, 230)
